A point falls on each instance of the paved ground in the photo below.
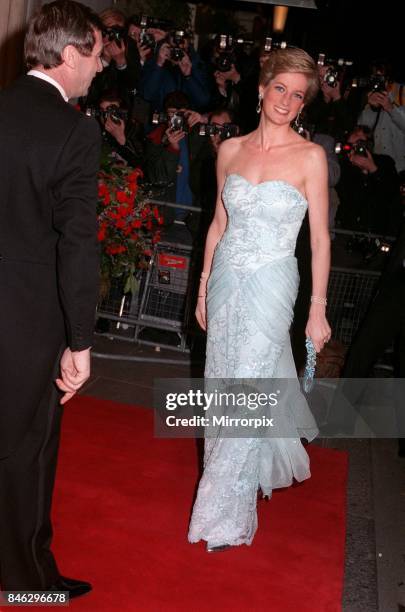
(375, 547)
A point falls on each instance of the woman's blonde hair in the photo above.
(291, 60)
(113, 13)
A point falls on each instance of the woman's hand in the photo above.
(318, 329)
(201, 313)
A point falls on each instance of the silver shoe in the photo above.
(221, 548)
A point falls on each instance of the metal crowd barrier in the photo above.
(160, 309)
(157, 311)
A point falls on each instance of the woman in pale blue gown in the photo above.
(266, 182)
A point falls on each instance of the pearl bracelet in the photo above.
(318, 300)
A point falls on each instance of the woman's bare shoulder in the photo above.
(312, 154)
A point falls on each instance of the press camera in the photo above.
(145, 22)
(334, 70)
(176, 122)
(374, 83)
(228, 130)
(226, 46)
(177, 39)
(367, 246)
(115, 113)
(115, 33)
(358, 148)
(270, 44)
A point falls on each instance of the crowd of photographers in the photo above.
(165, 107)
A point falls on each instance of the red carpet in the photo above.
(121, 513)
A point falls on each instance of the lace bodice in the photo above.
(263, 221)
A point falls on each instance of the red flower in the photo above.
(133, 177)
(101, 234)
(137, 223)
(121, 197)
(123, 211)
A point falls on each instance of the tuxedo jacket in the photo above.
(49, 257)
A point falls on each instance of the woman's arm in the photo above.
(215, 232)
(316, 189)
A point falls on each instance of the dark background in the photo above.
(356, 30)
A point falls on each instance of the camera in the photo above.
(176, 51)
(115, 113)
(226, 47)
(367, 246)
(146, 39)
(228, 130)
(115, 33)
(176, 122)
(358, 148)
(374, 83)
(144, 22)
(270, 44)
(334, 69)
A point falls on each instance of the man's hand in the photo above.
(74, 371)
(193, 118)
(115, 51)
(163, 54)
(330, 94)
(174, 137)
(230, 75)
(157, 33)
(366, 164)
(116, 129)
(144, 52)
(185, 65)
(380, 99)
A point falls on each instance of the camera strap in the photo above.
(375, 122)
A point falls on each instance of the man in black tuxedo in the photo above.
(49, 156)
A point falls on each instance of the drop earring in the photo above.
(297, 122)
(259, 104)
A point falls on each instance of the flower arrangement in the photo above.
(128, 224)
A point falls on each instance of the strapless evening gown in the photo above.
(251, 294)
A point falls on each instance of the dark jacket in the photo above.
(156, 82)
(369, 202)
(49, 156)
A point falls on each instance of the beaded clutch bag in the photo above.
(309, 372)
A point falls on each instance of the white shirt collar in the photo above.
(48, 79)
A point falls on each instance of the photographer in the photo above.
(384, 114)
(368, 187)
(121, 71)
(122, 138)
(175, 66)
(203, 180)
(330, 112)
(139, 45)
(236, 77)
(170, 151)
